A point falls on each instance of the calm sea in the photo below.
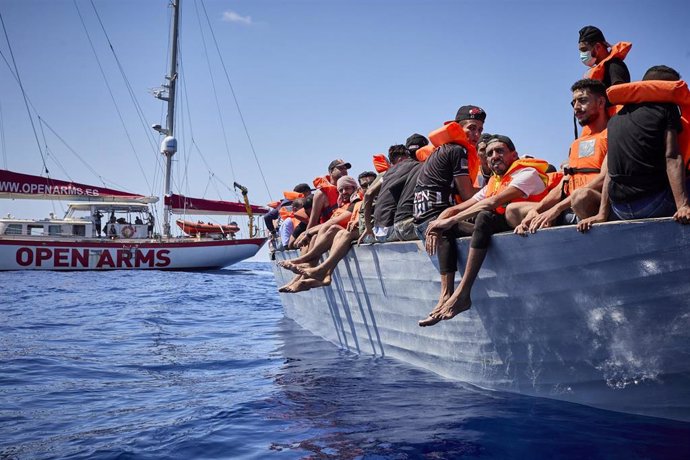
(204, 365)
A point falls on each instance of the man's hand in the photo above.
(440, 225)
(365, 233)
(544, 220)
(682, 215)
(586, 224)
(432, 239)
(303, 239)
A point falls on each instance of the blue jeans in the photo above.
(420, 230)
(660, 204)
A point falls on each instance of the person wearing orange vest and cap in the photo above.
(579, 195)
(448, 166)
(605, 61)
(514, 179)
(646, 173)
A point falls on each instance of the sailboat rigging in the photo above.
(127, 240)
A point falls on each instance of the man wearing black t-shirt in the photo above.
(594, 49)
(446, 167)
(646, 175)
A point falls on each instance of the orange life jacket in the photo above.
(324, 184)
(355, 212)
(423, 153)
(498, 183)
(381, 163)
(290, 195)
(620, 50)
(452, 133)
(587, 154)
(273, 204)
(675, 92)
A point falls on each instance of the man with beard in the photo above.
(579, 195)
(513, 179)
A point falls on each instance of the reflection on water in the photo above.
(358, 406)
(175, 365)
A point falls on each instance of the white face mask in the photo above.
(587, 58)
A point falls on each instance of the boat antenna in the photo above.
(167, 94)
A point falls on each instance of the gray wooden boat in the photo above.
(601, 319)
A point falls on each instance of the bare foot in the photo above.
(289, 265)
(454, 306)
(313, 272)
(429, 321)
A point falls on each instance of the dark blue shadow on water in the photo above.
(362, 407)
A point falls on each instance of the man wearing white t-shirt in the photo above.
(513, 180)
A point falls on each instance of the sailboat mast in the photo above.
(169, 146)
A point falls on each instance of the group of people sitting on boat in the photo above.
(630, 161)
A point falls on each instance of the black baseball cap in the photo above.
(416, 141)
(501, 138)
(469, 112)
(591, 34)
(302, 188)
(336, 163)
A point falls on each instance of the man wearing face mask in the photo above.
(606, 61)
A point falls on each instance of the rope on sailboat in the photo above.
(237, 104)
(21, 87)
(112, 97)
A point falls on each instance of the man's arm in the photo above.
(368, 207)
(318, 205)
(464, 186)
(675, 169)
(438, 226)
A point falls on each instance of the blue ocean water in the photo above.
(159, 365)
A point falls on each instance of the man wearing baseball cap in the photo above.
(445, 168)
(513, 179)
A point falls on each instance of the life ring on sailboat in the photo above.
(127, 231)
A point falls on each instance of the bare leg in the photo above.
(341, 245)
(585, 202)
(322, 242)
(516, 212)
(461, 300)
(447, 285)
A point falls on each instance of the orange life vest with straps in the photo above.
(381, 163)
(587, 154)
(324, 184)
(620, 50)
(675, 92)
(452, 133)
(498, 183)
(290, 195)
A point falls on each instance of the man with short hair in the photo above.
(579, 194)
(386, 192)
(484, 169)
(365, 179)
(646, 175)
(446, 167)
(513, 179)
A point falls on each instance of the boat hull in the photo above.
(104, 254)
(601, 319)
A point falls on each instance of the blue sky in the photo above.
(315, 81)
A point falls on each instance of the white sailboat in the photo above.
(125, 239)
